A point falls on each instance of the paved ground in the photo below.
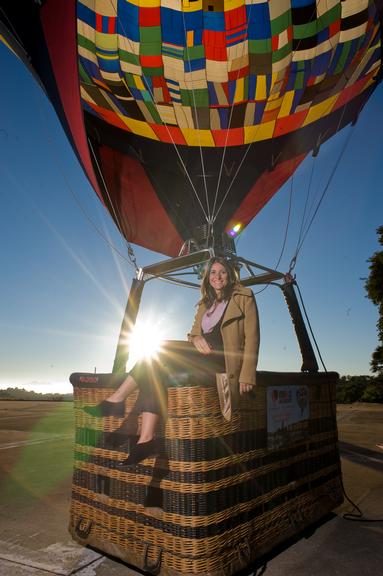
(35, 477)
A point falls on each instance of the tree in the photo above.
(374, 289)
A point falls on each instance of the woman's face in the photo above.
(218, 277)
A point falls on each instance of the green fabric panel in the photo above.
(129, 79)
(147, 71)
(282, 52)
(305, 30)
(260, 46)
(299, 80)
(83, 73)
(86, 43)
(329, 17)
(150, 49)
(194, 53)
(150, 34)
(200, 97)
(129, 57)
(342, 60)
(281, 23)
(153, 111)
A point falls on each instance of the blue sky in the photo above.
(63, 289)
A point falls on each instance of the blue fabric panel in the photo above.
(192, 65)
(268, 83)
(296, 99)
(86, 15)
(323, 35)
(193, 20)
(224, 117)
(258, 17)
(259, 109)
(172, 25)
(109, 65)
(214, 21)
(127, 22)
(212, 94)
(85, 106)
(252, 86)
(91, 68)
(320, 63)
(231, 85)
(300, 3)
(136, 93)
(198, 33)
(335, 59)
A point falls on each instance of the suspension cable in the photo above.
(229, 124)
(145, 79)
(197, 123)
(61, 170)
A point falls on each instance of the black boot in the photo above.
(139, 452)
(106, 408)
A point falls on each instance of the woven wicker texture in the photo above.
(217, 497)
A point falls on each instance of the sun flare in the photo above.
(144, 342)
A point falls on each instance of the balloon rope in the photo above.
(163, 121)
(61, 170)
(197, 123)
(117, 215)
(214, 216)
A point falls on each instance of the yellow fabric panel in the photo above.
(239, 90)
(190, 38)
(232, 4)
(260, 90)
(319, 110)
(191, 6)
(106, 42)
(138, 127)
(273, 104)
(287, 102)
(148, 3)
(139, 83)
(259, 132)
(106, 7)
(198, 137)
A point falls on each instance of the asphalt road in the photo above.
(36, 445)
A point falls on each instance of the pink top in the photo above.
(212, 316)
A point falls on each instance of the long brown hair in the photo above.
(208, 294)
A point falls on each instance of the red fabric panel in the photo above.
(235, 137)
(149, 16)
(289, 123)
(266, 186)
(144, 219)
(58, 18)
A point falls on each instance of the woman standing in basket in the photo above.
(226, 334)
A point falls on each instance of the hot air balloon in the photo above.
(187, 117)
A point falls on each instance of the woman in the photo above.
(225, 331)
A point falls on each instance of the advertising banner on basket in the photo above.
(287, 415)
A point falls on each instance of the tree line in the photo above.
(22, 394)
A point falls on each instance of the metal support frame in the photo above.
(169, 270)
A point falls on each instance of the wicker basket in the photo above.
(222, 493)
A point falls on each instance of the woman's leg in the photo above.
(148, 427)
(127, 387)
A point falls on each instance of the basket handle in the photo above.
(155, 566)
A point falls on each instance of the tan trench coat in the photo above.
(240, 335)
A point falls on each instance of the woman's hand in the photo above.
(200, 343)
(245, 388)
